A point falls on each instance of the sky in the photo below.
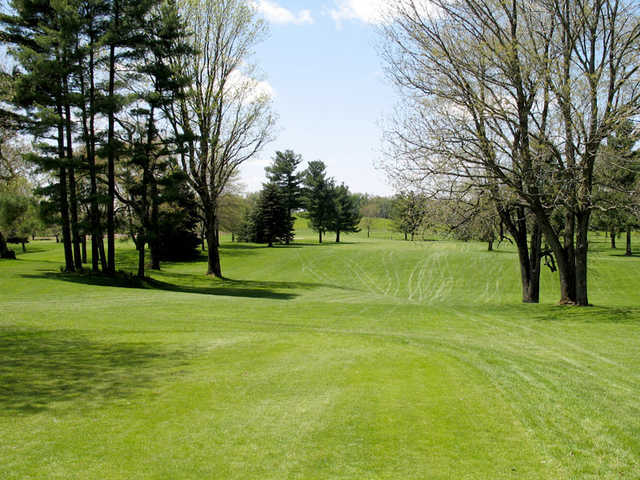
(329, 91)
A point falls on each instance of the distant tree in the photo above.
(318, 198)
(408, 213)
(368, 212)
(616, 183)
(233, 212)
(268, 222)
(346, 211)
(282, 172)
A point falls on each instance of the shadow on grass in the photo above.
(563, 313)
(188, 283)
(40, 368)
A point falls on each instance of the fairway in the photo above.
(371, 359)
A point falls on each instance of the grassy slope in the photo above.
(371, 359)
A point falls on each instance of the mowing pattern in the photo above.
(373, 359)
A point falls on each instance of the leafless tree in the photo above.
(224, 118)
(517, 98)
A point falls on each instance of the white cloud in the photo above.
(275, 13)
(374, 11)
(368, 11)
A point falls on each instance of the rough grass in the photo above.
(365, 360)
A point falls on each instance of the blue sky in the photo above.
(330, 94)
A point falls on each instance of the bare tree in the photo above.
(519, 95)
(225, 117)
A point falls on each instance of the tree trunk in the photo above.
(613, 237)
(628, 253)
(103, 256)
(368, 231)
(4, 250)
(490, 246)
(213, 254)
(66, 228)
(338, 236)
(84, 249)
(319, 236)
(141, 262)
(111, 147)
(405, 236)
(581, 252)
(73, 199)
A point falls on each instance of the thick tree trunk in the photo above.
(319, 236)
(490, 246)
(140, 248)
(613, 237)
(628, 252)
(4, 250)
(581, 253)
(338, 236)
(406, 237)
(213, 253)
(566, 266)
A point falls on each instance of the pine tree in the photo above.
(346, 212)
(282, 173)
(318, 198)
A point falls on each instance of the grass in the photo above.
(367, 360)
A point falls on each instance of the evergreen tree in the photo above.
(269, 221)
(346, 211)
(318, 198)
(282, 173)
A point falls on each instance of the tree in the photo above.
(318, 198)
(270, 221)
(282, 172)
(513, 93)
(223, 119)
(346, 212)
(408, 213)
(617, 178)
(233, 211)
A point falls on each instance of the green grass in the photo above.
(366, 360)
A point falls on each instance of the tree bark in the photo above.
(338, 236)
(319, 236)
(629, 252)
(490, 246)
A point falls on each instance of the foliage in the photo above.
(319, 197)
